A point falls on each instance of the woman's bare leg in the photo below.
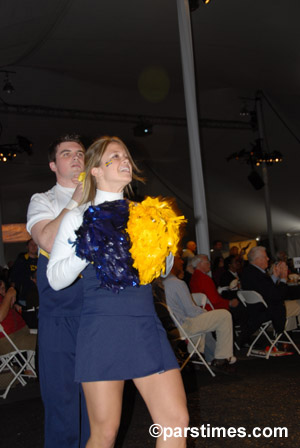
(165, 398)
(104, 406)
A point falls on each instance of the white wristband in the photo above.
(72, 204)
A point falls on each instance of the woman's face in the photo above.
(115, 170)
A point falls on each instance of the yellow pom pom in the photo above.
(154, 230)
(81, 177)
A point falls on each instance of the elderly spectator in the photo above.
(274, 289)
(194, 319)
(202, 282)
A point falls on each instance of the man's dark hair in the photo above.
(228, 260)
(64, 138)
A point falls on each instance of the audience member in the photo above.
(274, 289)
(217, 269)
(22, 269)
(13, 323)
(239, 256)
(230, 277)
(216, 250)
(189, 252)
(194, 319)
(202, 282)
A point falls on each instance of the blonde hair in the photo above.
(93, 159)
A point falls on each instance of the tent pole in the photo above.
(187, 60)
(265, 175)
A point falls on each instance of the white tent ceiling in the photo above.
(123, 58)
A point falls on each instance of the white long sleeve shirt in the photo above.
(64, 266)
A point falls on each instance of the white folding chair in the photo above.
(15, 362)
(188, 338)
(250, 298)
(201, 300)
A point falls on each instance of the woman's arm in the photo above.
(64, 266)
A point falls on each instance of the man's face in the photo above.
(204, 265)
(233, 266)
(262, 260)
(32, 248)
(69, 163)
(218, 245)
(191, 245)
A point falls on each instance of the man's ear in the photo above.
(52, 166)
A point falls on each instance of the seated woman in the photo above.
(13, 323)
(120, 336)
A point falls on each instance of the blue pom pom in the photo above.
(103, 241)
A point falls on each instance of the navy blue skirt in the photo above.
(120, 336)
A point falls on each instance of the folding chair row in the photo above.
(250, 298)
(15, 362)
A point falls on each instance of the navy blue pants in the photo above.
(66, 420)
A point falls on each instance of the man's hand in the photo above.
(233, 303)
(280, 270)
(77, 195)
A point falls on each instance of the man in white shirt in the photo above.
(59, 310)
(194, 319)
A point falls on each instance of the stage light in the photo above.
(142, 129)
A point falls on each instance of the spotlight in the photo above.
(206, 2)
(8, 87)
(142, 129)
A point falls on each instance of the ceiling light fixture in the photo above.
(9, 151)
(142, 129)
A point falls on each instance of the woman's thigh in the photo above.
(104, 401)
(165, 397)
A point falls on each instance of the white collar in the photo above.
(103, 196)
(64, 189)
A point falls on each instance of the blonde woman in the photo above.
(120, 336)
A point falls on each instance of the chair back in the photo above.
(250, 298)
(200, 299)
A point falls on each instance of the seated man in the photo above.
(230, 277)
(273, 289)
(13, 323)
(194, 319)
